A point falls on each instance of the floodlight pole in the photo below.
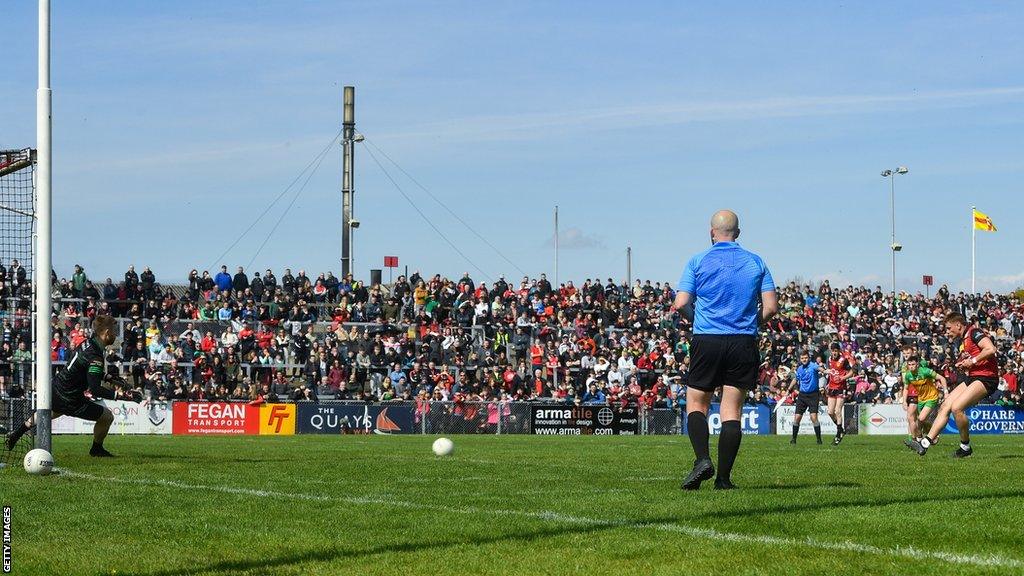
(348, 167)
(893, 246)
(44, 192)
(892, 215)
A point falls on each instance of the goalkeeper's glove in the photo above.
(130, 395)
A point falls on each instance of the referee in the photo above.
(725, 284)
(809, 397)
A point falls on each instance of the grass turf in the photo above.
(515, 505)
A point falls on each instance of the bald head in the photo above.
(725, 226)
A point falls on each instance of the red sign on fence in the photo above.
(928, 281)
(215, 418)
(391, 261)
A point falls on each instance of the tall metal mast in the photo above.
(347, 180)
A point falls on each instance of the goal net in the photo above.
(17, 229)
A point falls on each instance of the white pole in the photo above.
(892, 215)
(44, 131)
(974, 242)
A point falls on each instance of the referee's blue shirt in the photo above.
(807, 378)
(726, 282)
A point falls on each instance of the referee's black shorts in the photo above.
(810, 401)
(723, 360)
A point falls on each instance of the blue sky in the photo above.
(177, 123)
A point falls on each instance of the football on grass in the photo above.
(443, 447)
(38, 462)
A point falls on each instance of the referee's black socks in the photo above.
(796, 430)
(728, 447)
(817, 433)
(697, 429)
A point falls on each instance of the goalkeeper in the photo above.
(85, 372)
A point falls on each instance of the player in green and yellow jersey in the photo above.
(923, 380)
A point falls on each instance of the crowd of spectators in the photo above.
(229, 336)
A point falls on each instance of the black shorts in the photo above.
(805, 402)
(77, 407)
(835, 392)
(991, 382)
(911, 400)
(723, 360)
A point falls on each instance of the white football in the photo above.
(38, 462)
(443, 447)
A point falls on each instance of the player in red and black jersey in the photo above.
(979, 360)
(840, 371)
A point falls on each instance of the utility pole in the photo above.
(347, 180)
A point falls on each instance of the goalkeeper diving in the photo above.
(86, 371)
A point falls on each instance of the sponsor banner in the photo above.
(129, 418)
(315, 418)
(784, 416)
(754, 420)
(215, 418)
(583, 420)
(277, 419)
(991, 420)
(883, 419)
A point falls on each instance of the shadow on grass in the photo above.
(833, 505)
(340, 554)
(193, 458)
(1008, 456)
(804, 485)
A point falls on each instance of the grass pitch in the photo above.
(171, 506)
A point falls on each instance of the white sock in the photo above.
(926, 442)
(965, 447)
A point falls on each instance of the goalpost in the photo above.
(41, 277)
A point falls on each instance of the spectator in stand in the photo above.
(269, 284)
(257, 288)
(109, 290)
(193, 285)
(17, 275)
(78, 280)
(224, 281)
(240, 283)
(206, 285)
(594, 396)
(147, 281)
(131, 283)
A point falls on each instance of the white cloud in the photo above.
(1000, 284)
(575, 239)
(542, 125)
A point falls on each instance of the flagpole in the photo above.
(974, 242)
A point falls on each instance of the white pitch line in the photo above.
(985, 560)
